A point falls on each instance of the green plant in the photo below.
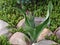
(13, 16)
(30, 28)
(14, 30)
(8, 12)
(4, 40)
(53, 38)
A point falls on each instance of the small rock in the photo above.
(3, 29)
(45, 42)
(18, 39)
(9, 34)
(57, 32)
(21, 23)
(3, 24)
(37, 20)
(43, 34)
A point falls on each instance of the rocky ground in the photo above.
(18, 38)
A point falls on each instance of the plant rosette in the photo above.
(30, 29)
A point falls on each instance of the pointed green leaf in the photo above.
(34, 32)
(40, 27)
(29, 20)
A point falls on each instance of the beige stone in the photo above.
(46, 42)
(57, 32)
(21, 23)
(18, 39)
(37, 20)
(3, 24)
(43, 34)
(3, 28)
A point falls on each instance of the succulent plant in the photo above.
(30, 29)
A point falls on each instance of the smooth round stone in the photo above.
(57, 32)
(37, 20)
(45, 42)
(3, 28)
(3, 24)
(19, 38)
(45, 32)
(3, 31)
